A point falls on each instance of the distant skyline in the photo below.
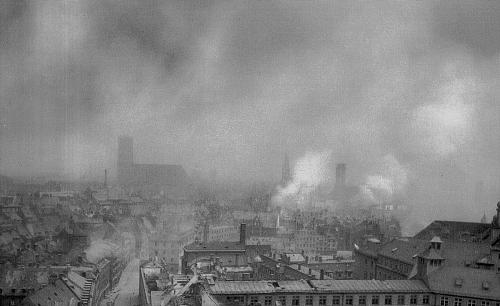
(235, 86)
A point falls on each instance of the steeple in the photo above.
(285, 171)
(483, 219)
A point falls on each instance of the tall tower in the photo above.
(340, 172)
(286, 177)
(125, 158)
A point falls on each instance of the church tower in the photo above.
(286, 177)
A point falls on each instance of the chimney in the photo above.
(310, 271)
(299, 267)
(307, 260)
(321, 274)
(105, 178)
(243, 233)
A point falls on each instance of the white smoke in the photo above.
(444, 126)
(389, 179)
(99, 249)
(310, 171)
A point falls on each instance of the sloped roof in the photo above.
(317, 286)
(241, 287)
(352, 285)
(295, 257)
(58, 292)
(455, 253)
(49, 295)
(452, 230)
(444, 279)
(16, 278)
(459, 253)
(369, 248)
(215, 246)
(314, 272)
(75, 282)
(403, 249)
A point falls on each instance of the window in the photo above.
(348, 300)
(309, 300)
(485, 303)
(444, 301)
(336, 300)
(375, 300)
(268, 300)
(236, 299)
(471, 303)
(401, 299)
(254, 300)
(322, 299)
(295, 300)
(425, 300)
(362, 300)
(388, 300)
(458, 302)
(413, 300)
(282, 300)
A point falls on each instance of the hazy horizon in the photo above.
(405, 93)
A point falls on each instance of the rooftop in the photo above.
(472, 282)
(215, 246)
(403, 249)
(454, 230)
(260, 287)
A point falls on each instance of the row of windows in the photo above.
(324, 300)
(446, 301)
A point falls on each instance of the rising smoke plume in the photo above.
(310, 172)
(388, 180)
(232, 85)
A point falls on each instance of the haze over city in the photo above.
(235, 86)
(255, 153)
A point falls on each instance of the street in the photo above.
(127, 290)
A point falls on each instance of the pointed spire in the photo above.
(483, 219)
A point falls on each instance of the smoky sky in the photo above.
(235, 86)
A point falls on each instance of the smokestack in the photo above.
(243, 233)
(105, 178)
(340, 172)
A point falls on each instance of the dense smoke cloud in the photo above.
(233, 86)
(309, 173)
(387, 182)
